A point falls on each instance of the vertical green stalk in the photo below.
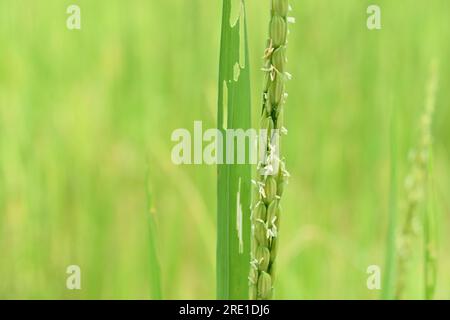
(155, 278)
(234, 180)
(416, 185)
(389, 278)
(430, 237)
(272, 175)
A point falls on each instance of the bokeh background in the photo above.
(86, 117)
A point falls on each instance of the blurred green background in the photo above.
(86, 118)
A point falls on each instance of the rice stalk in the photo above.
(155, 270)
(416, 187)
(272, 175)
(430, 237)
(390, 266)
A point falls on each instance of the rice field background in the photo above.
(86, 117)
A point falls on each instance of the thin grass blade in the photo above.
(154, 267)
(388, 292)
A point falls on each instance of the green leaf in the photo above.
(234, 181)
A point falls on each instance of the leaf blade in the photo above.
(234, 112)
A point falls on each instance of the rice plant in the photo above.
(80, 110)
(233, 184)
(390, 267)
(272, 175)
(430, 237)
(154, 270)
(417, 192)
